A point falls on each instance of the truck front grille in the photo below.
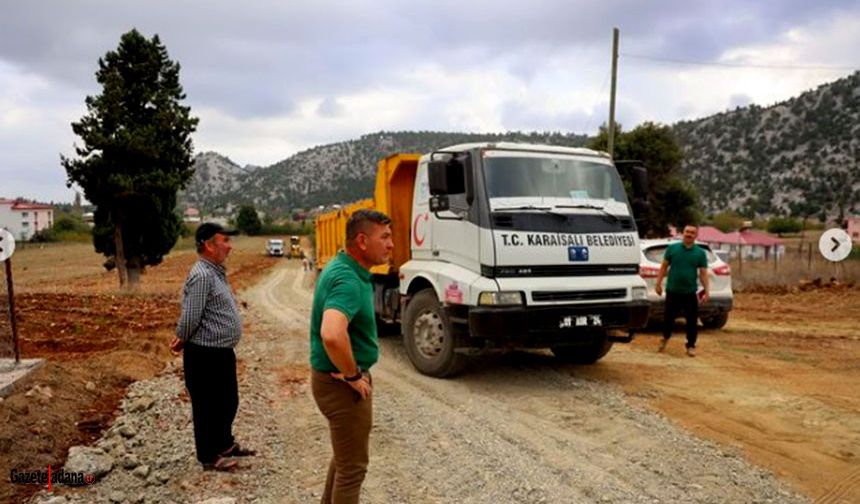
(583, 295)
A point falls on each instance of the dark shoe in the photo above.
(238, 451)
(221, 464)
(663, 345)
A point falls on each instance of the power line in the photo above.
(735, 65)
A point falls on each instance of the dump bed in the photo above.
(395, 179)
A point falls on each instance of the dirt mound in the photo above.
(96, 341)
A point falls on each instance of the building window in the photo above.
(24, 214)
(25, 224)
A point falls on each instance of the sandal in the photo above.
(238, 451)
(222, 464)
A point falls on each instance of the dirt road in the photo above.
(515, 428)
(766, 396)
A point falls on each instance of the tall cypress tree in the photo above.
(136, 154)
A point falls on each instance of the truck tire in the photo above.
(717, 321)
(428, 339)
(587, 354)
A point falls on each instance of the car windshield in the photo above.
(655, 254)
(545, 176)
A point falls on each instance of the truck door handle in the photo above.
(435, 253)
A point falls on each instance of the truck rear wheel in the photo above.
(428, 339)
(584, 354)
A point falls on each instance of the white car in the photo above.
(715, 313)
(275, 247)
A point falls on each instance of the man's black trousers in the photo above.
(210, 377)
(676, 304)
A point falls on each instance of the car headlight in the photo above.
(501, 298)
(639, 293)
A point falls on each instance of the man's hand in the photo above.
(659, 288)
(361, 386)
(176, 345)
(705, 297)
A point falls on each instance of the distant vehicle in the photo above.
(275, 247)
(295, 248)
(715, 313)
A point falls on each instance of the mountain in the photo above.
(800, 156)
(334, 173)
(214, 176)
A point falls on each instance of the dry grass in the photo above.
(792, 270)
(54, 267)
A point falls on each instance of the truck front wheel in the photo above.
(428, 339)
(584, 354)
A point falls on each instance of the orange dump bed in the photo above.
(395, 179)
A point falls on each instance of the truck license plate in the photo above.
(580, 321)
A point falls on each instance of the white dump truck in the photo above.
(504, 245)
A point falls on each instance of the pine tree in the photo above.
(136, 154)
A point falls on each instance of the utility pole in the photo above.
(611, 133)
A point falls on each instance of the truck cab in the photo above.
(516, 245)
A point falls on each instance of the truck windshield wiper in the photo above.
(593, 207)
(532, 207)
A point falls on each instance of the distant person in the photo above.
(208, 329)
(344, 346)
(684, 262)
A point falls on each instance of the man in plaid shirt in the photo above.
(208, 329)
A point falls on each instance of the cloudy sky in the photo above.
(269, 78)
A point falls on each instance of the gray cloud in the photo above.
(263, 60)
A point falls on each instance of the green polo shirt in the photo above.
(344, 285)
(684, 264)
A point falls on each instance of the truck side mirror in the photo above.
(446, 177)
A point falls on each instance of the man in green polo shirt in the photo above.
(343, 348)
(684, 262)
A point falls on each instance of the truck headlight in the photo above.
(639, 293)
(501, 298)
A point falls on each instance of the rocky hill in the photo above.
(214, 176)
(800, 156)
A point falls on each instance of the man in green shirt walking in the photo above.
(344, 346)
(684, 261)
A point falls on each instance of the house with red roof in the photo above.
(191, 215)
(751, 243)
(852, 226)
(24, 219)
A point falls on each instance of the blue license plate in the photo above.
(575, 253)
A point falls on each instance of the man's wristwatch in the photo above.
(355, 378)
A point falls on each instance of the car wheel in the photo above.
(717, 321)
(428, 339)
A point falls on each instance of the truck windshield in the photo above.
(556, 177)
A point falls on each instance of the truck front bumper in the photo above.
(541, 326)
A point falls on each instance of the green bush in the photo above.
(784, 225)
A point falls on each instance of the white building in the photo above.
(24, 219)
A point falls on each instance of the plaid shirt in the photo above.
(210, 316)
